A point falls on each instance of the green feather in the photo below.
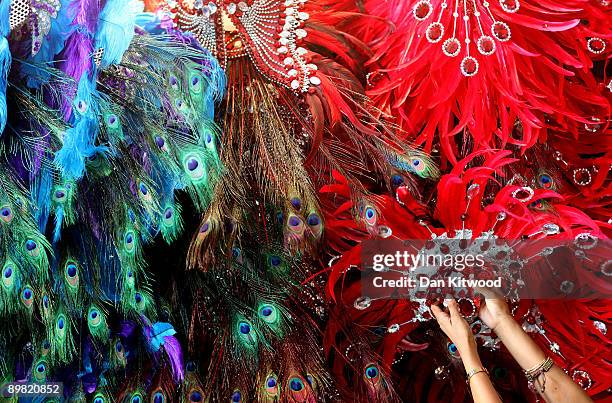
(96, 322)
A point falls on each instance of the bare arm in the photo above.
(558, 386)
(457, 329)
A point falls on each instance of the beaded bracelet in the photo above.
(533, 375)
(473, 372)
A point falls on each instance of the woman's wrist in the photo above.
(503, 322)
(470, 358)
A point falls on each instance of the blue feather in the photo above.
(158, 333)
(41, 193)
(116, 29)
(79, 140)
(5, 59)
(51, 45)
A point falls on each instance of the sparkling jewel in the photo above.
(550, 229)
(469, 66)
(582, 378)
(472, 190)
(594, 126)
(501, 31)
(510, 6)
(596, 45)
(602, 327)
(422, 10)
(486, 45)
(451, 47)
(384, 231)
(523, 194)
(585, 241)
(434, 32)
(314, 80)
(393, 328)
(362, 303)
(582, 176)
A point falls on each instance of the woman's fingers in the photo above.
(441, 316)
(453, 308)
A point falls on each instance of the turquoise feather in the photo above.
(116, 29)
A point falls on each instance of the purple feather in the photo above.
(126, 329)
(76, 58)
(175, 355)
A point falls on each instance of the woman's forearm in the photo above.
(558, 386)
(480, 384)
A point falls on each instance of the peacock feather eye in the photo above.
(81, 106)
(144, 192)
(111, 120)
(246, 332)
(60, 194)
(27, 296)
(136, 398)
(190, 366)
(160, 142)
(180, 105)
(296, 384)
(208, 140)
(244, 328)
(295, 224)
(236, 396)
(71, 273)
(9, 273)
(545, 181)
(94, 317)
(139, 300)
(271, 386)
(418, 165)
(204, 228)
(61, 324)
(158, 397)
(195, 396)
(237, 254)
(129, 241)
(39, 371)
(31, 248)
(119, 351)
(296, 203)
(195, 83)
(269, 313)
(46, 346)
(173, 81)
(370, 215)
(537, 205)
(194, 167)
(371, 372)
(99, 398)
(6, 213)
(129, 278)
(397, 180)
(314, 223)
(46, 306)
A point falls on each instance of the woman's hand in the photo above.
(493, 312)
(457, 330)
